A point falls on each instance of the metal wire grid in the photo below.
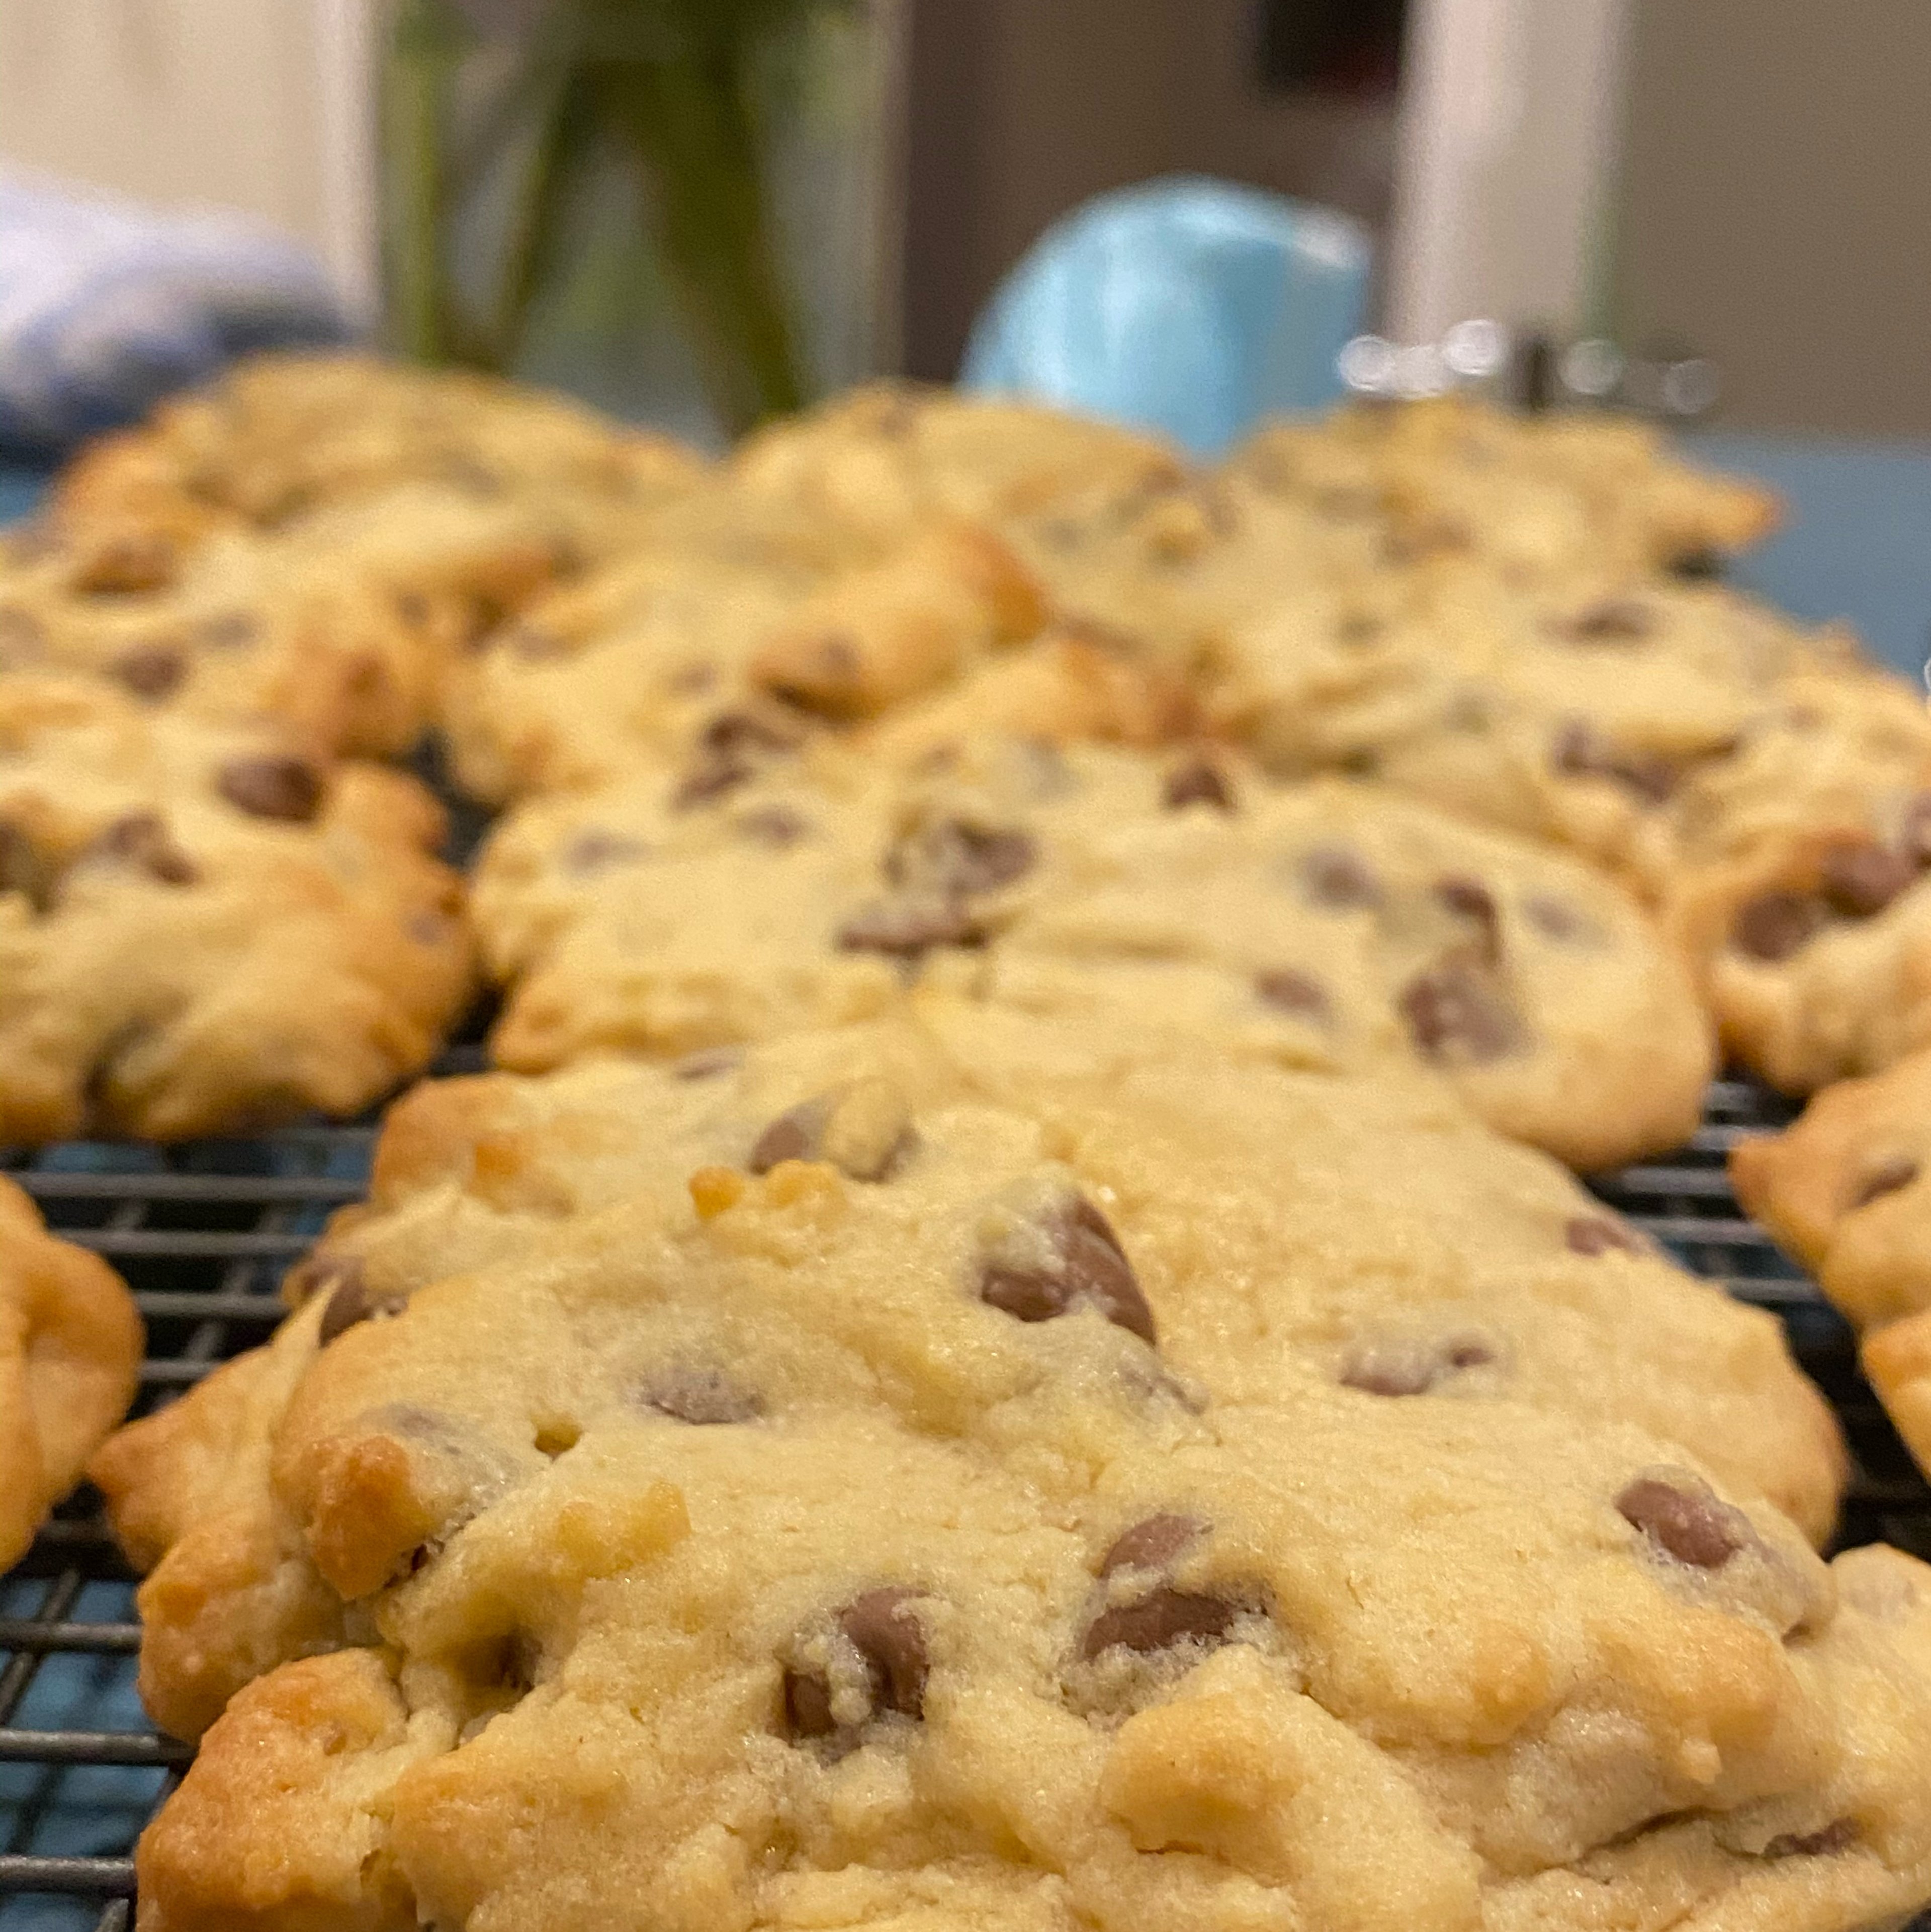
(203, 1233)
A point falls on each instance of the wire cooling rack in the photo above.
(203, 1233)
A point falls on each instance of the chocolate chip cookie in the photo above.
(1188, 1518)
(69, 1353)
(1327, 925)
(1844, 1191)
(206, 927)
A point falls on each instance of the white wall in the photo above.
(262, 105)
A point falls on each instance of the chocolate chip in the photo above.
(1407, 1365)
(1457, 1009)
(1900, 1171)
(22, 637)
(1581, 752)
(793, 1135)
(1838, 1837)
(731, 747)
(1154, 1542)
(151, 670)
(1774, 925)
(1594, 1235)
(959, 860)
(1613, 620)
(1679, 1513)
(1470, 899)
(1086, 1264)
(1162, 1618)
(1859, 881)
(905, 928)
(774, 826)
(1290, 992)
(594, 851)
(706, 1398)
(708, 1062)
(272, 787)
(1555, 918)
(23, 869)
(127, 565)
(142, 840)
(1198, 781)
(1335, 878)
(890, 1642)
(228, 631)
(1913, 836)
(352, 1302)
(1695, 566)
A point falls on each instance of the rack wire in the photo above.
(204, 1232)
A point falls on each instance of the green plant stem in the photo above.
(691, 124)
(533, 244)
(416, 85)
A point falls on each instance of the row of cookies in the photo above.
(969, 1468)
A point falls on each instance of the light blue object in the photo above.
(106, 306)
(1188, 305)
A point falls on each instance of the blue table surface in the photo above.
(1856, 545)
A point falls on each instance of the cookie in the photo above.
(70, 1356)
(1496, 1278)
(280, 437)
(724, 603)
(1531, 496)
(207, 928)
(1169, 1545)
(1329, 925)
(1841, 1190)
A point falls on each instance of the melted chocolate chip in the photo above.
(272, 787)
(1471, 900)
(229, 630)
(890, 1642)
(151, 670)
(774, 826)
(958, 859)
(1555, 918)
(708, 1062)
(1580, 752)
(22, 868)
(1613, 620)
(731, 747)
(1900, 1171)
(705, 1398)
(1198, 781)
(594, 851)
(1594, 1235)
(1679, 1513)
(1154, 1542)
(1457, 1009)
(1837, 1837)
(1859, 881)
(126, 566)
(1087, 1264)
(905, 928)
(1338, 880)
(1695, 566)
(353, 1301)
(1404, 1367)
(1774, 925)
(141, 839)
(1289, 991)
(793, 1135)
(1158, 1621)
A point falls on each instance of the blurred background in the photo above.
(700, 212)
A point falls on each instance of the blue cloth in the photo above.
(1856, 542)
(106, 306)
(1187, 305)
